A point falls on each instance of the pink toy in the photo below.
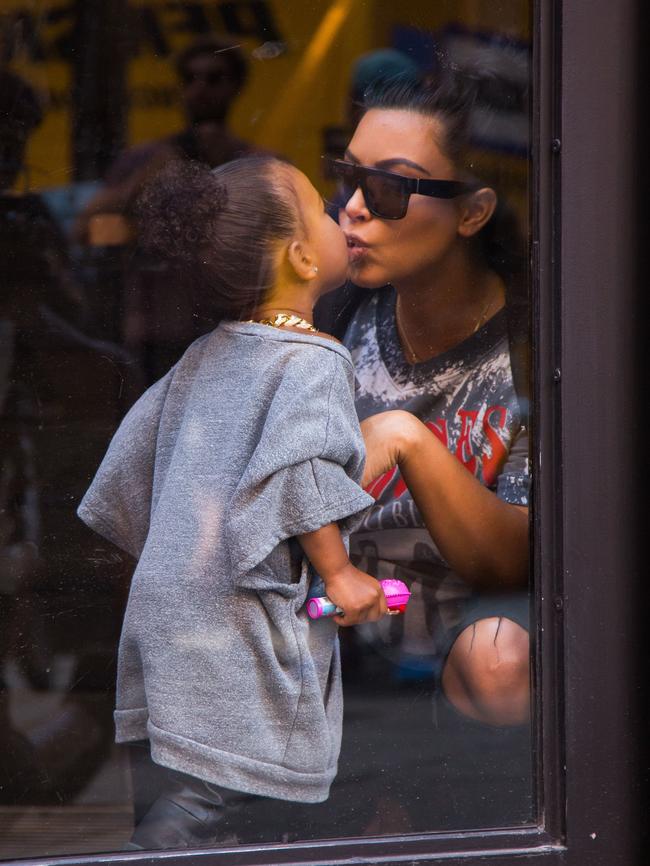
(397, 597)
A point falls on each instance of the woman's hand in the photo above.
(359, 596)
(388, 437)
(483, 538)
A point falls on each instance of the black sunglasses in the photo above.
(387, 194)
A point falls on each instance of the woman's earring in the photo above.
(315, 269)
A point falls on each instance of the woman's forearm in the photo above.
(482, 538)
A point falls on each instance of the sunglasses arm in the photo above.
(441, 188)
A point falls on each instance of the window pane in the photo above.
(116, 259)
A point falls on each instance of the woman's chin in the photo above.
(365, 278)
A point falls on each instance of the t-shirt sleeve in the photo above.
(117, 504)
(306, 467)
(513, 483)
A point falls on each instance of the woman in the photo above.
(448, 463)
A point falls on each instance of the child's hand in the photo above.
(359, 596)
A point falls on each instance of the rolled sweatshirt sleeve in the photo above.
(305, 471)
(117, 503)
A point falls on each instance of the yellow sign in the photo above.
(300, 55)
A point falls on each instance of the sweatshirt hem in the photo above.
(98, 523)
(229, 770)
(130, 725)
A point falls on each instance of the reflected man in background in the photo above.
(161, 314)
(211, 73)
(44, 756)
(368, 70)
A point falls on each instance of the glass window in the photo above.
(191, 553)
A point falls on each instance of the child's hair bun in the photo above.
(218, 229)
(178, 211)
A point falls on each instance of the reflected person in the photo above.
(164, 312)
(382, 65)
(437, 341)
(211, 72)
(246, 455)
(41, 310)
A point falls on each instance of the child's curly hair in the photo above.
(221, 227)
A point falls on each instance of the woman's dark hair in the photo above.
(452, 98)
(219, 228)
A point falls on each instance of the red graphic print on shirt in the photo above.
(491, 460)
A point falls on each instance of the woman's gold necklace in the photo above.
(281, 319)
(402, 333)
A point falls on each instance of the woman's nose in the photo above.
(356, 208)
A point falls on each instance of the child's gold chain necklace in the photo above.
(281, 319)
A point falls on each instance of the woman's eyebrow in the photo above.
(390, 163)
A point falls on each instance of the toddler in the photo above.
(234, 482)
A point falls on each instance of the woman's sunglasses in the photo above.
(387, 194)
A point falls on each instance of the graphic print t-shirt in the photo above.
(466, 398)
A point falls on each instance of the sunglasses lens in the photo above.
(385, 196)
(345, 176)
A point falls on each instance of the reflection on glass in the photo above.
(435, 727)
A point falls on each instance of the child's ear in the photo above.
(476, 210)
(301, 260)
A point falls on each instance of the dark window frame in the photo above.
(586, 534)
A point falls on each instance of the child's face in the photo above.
(325, 239)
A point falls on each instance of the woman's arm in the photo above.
(482, 538)
(359, 595)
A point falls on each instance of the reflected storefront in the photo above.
(97, 101)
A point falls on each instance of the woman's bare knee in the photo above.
(487, 673)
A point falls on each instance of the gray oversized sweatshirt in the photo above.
(250, 440)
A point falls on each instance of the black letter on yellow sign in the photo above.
(194, 19)
(250, 18)
(149, 30)
(22, 31)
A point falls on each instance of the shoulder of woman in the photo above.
(334, 310)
